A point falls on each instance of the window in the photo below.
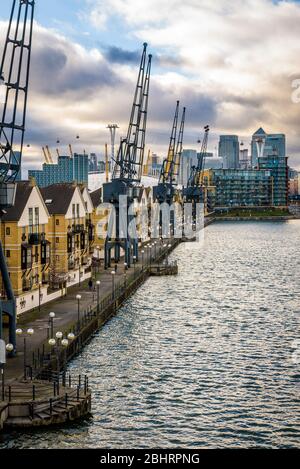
(78, 212)
(36, 216)
(73, 210)
(7, 231)
(7, 253)
(30, 219)
(57, 240)
(57, 222)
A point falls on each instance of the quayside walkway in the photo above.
(81, 317)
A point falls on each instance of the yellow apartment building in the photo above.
(25, 239)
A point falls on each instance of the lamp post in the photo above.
(113, 273)
(51, 321)
(125, 274)
(142, 252)
(78, 298)
(98, 283)
(59, 336)
(40, 298)
(169, 247)
(29, 333)
(9, 348)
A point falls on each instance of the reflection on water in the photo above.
(201, 360)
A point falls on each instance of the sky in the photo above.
(232, 64)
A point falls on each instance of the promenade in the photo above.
(66, 308)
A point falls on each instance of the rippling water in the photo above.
(202, 360)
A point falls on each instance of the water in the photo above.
(203, 360)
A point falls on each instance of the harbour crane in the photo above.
(194, 192)
(165, 191)
(127, 172)
(14, 82)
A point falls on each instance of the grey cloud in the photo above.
(118, 55)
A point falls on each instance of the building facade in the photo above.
(25, 238)
(264, 145)
(229, 151)
(238, 188)
(67, 170)
(278, 169)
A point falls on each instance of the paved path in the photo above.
(66, 311)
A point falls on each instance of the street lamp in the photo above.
(143, 252)
(29, 333)
(134, 262)
(9, 349)
(40, 297)
(51, 321)
(113, 273)
(98, 283)
(78, 298)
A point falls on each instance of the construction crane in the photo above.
(165, 191)
(14, 81)
(127, 172)
(194, 192)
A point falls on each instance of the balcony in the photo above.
(34, 239)
(78, 229)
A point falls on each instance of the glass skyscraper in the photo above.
(229, 150)
(67, 169)
(269, 144)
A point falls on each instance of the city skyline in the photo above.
(236, 81)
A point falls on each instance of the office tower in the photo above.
(264, 144)
(229, 150)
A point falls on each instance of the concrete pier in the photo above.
(40, 403)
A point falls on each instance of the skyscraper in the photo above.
(229, 150)
(264, 145)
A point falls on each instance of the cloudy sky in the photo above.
(231, 63)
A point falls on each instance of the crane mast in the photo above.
(14, 81)
(165, 190)
(128, 168)
(194, 193)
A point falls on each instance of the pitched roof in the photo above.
(23, 191)
(260, 131)
(96, 197)
(58, 197)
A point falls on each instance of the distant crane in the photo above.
(14, 81)
(127, 171)
(194, 192)
(165, 191)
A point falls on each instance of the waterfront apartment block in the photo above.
(238, 188)
(278, 168)
(25, 238)
(68, 169)
(70, 233)
(48, 238)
